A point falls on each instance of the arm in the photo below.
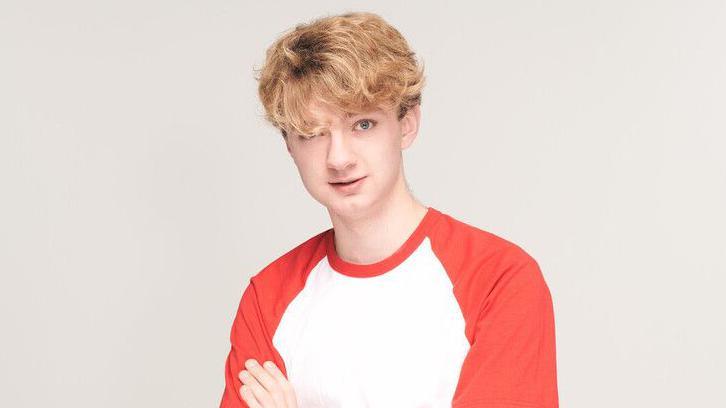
(511, 361)
(250, 339)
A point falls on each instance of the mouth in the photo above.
(345, 183)
(348, 187)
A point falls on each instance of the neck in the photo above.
(374, 236)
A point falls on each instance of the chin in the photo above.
(347, 207)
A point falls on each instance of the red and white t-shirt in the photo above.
(457, 316)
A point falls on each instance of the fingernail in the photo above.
(269, 364)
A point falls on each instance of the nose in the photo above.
(340, 154)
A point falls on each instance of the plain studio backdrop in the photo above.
(141, 188)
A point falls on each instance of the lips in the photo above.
(351, 187)
(346, 181)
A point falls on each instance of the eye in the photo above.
(366, 124)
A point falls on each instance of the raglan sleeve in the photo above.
(249, 338)
(511, 361)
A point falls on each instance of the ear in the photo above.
(287, 141)
(409, 126)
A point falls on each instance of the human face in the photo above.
(365, 147)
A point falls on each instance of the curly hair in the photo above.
(354, 61)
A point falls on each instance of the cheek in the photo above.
(312, 169)
(391, 153)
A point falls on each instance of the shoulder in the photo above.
(461, 242)
(292, 266)
(482, 261)
(488, 272)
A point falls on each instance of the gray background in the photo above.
(141, 188)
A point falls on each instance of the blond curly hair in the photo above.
(354, 61)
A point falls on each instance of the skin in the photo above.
(265, 386)
(373, 222)
(370, 223)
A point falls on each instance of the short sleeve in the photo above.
(249, 339)
(511, 360)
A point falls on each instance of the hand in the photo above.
(266, 386)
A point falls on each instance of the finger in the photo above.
(260, 393)
(273, 387)
(290, 399)
(248, 397)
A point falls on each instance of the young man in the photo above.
(398, 304)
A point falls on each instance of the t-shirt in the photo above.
(457, 316)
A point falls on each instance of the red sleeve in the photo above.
(250, 338)
(511, 361)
